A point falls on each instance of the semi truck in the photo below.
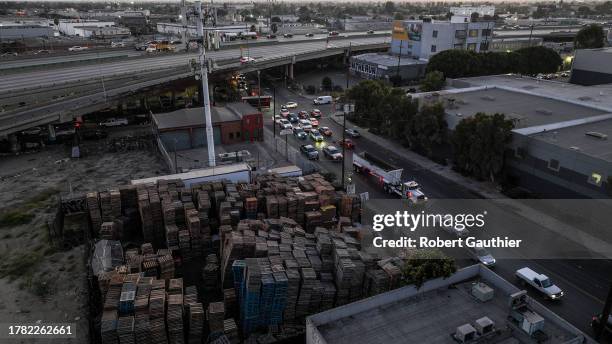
(540, 282)
(236, 173)
(389, 177)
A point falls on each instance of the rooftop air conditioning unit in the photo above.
(484, 325)
(532, 322)
(465, 333)
(518, 299)
(482, 292)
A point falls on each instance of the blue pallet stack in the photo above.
(266, 299)
(249, 299)
(279, 302)
(127, 299)
(238, 274)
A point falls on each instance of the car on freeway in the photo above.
(288, 35)
(347, 143)
(333, 153)
(32, 131)
(77, 48)
(285, 124)
(272, 36)
(291, 105)
(596, 325)
(314, 122)
(299, 133)
(316, 136)
(284, 112)
(303, 114)
(305, 124)
(117, 44)
(140, 46)
(483, 256)
(114, 122)
(309, 34)
(246, 59)
(42, 52)
(334, 33)
(316, 113)
(325, 131)
(9, 54)
(293, 118)
(310, 152)
(352, 133)
(370, 32)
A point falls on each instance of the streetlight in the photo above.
(347, 109)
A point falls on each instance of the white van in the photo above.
(323, 100)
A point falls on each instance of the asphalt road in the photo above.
(47, 78)
(584, 281)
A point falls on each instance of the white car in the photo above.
(284, 112)
(291, 105)
(117, 44)
(305, 124)
(285, 124)
(333, 153)
(114, 122)
(77, 48)
(540, 282)
(246, 59)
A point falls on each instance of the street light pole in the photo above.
(348, 59)
(346, 109)
(259, 90)
(274, 114)
(210, 141)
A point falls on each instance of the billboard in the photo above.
(406, 30)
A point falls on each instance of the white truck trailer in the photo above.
(389, 177)
(540, 282)
(234, 173)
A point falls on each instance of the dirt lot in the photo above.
(38, 281)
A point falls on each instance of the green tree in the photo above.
(274, 27)
(253, 28)
(455, 63)
(538, 59)
(367, 97)
(479, 143)
(427, 129)
(326, 83)
(434, 81)
(589, 37)
(398, 16)
(389, 7)
(426, 264)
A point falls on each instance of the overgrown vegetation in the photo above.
(14, 218)
(590, 37)
(434, 81)
(19, 264)
(426, 264)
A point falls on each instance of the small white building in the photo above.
(468, 10)
(70, 27)
(101, 32)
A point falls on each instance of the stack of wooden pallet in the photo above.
(166, 267)
(184, 243)
(174, 318)
(108, 231)
(195, 314)
(230, 329)
(157, 308)
(93, 207)
(108, 327)
(125, 329)
(215, 315)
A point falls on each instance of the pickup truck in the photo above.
(540, 282)
(114, 122)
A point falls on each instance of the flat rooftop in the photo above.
(194, 117)
(387, 60)
(432, 314)
(526, 109)
(599, 96)
(576, 138)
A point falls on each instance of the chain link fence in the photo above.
(281, 145)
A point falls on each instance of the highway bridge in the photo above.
(59, 94)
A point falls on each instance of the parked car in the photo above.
(94, 134)
(596, 324)
(316, 113)
(323, 100)
(272, 36)
(77, 48)
(293, 118)
(288, 35)
(309, 35)
(370, 32)
(347, 143)
(12, 53)
(333, 153)
(291, 105)
(352, 133)
(277, 119)
(114, 122)
(299, 133)
(43, 52)
(325, 131)
(540, 282)
(285, 124)
(483, 256)
(310, 152)
(303, 114)
(305, 124)
(334, 33)
(117, 44)
(140, 46)
(314, 122)
(246, 59)
(316, 136)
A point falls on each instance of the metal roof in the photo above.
(194, 117)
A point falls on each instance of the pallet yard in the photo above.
(229, 262)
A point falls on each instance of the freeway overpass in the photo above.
(143, 72)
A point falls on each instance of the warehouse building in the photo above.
(592, 67)
(71, 27)
(385, 66)
(515, 43)
(451, 310)
(185, 128)
(560, 146)
(15, 31)
(101, 32)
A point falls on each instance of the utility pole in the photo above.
(348, 59)
(603, 320)
(210, 140)
(259, 90)
(399, 59)
(530, 33)
(274, 115)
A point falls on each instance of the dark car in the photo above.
(288, 35)
(94, 134)
(310, 152)
(271, 36)
(316, 113)
(333, 153)
(293, 118)
(309, 35)
(352, 133)
(303, 114)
